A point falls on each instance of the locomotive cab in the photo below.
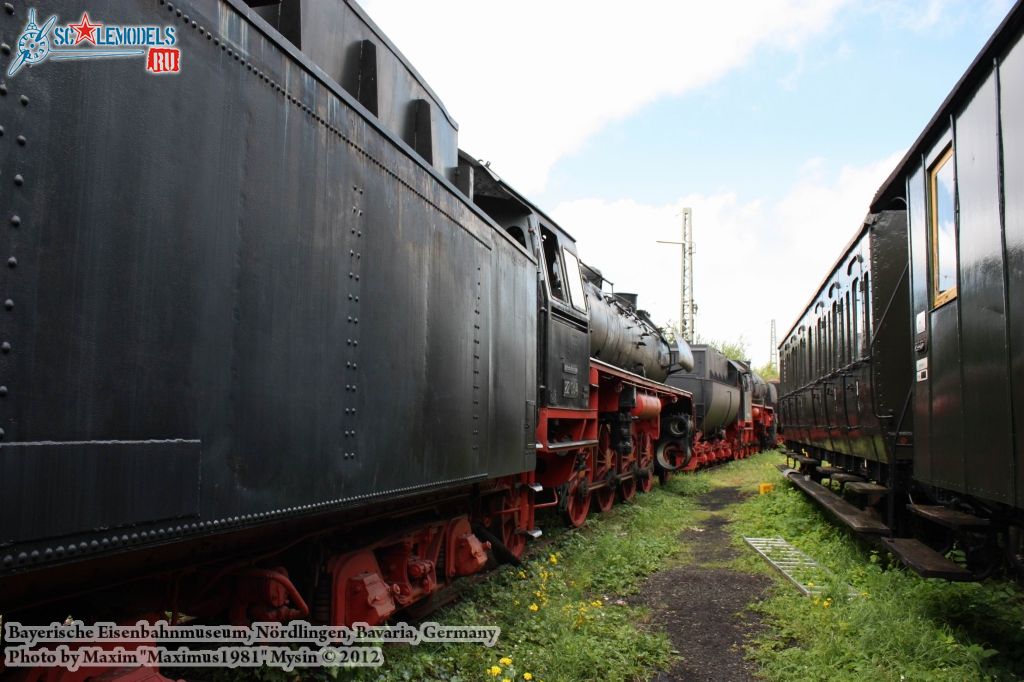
(563, 321)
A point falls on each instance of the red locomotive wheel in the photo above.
(577, 490)
(627, 488)
(604, 466)
(646, 474)
(507, 524)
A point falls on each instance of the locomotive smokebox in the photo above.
(626, 337)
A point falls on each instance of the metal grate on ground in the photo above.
(810, 577)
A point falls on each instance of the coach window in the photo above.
(855, 317)
(865, 287)
(808, 356)
(941, 187)
(837, 353)
(575, 281)
(848, 333)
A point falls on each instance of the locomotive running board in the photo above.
(847, 514)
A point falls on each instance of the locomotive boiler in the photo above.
(734, 407)
(626, 337)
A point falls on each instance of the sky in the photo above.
(774, 120)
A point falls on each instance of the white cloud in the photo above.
(754, 260)
(530, 81)
(935, 16)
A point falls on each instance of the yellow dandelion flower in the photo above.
(522, 575)
(553, 559)
(527, 676)
(596, 603)
(505, 660)
(538, 594)
(534, 607)
(494, 671)
(505, 679)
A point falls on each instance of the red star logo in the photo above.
(85, 30)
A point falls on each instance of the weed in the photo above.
(899, 627)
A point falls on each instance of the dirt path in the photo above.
(703, 605)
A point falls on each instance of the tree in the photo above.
(734, 350)
(768, 372)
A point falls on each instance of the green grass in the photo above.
(900, 627)
(561, 614)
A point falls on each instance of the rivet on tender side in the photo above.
(16, 221)
(3, 391)
(20, 139)
(19, 180)
(5, 48)
(5, 347)
(24, 100)
(12, 262)
(9, 8)
(9, 304)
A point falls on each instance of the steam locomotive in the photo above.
(904, 371)
(734, 407)
(275, 348)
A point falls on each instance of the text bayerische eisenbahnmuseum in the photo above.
(258, 633)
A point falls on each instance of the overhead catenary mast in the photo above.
(687, 308)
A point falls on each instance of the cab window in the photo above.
(574, 280)
(556, 279)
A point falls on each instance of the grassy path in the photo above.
(703, 603)
(664, 588)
